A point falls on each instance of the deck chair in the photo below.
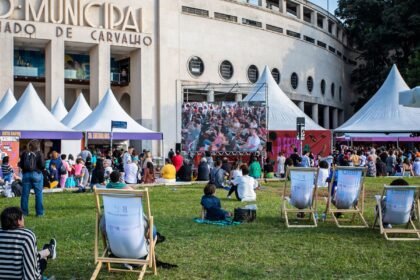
(303, 195)
(396, 206)
(129, 231)
(348, 196)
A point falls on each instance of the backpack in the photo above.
(17, 188)
(29, 162)
(63, 169)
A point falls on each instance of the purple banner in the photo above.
(68, 135)
(126, 135)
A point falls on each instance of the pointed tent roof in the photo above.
(383, 113)
(59, 110)
(282, 111)
(7, 103)
(98, 123)
(77, 113)
(31, 119)
(410, 98)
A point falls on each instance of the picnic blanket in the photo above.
(229, 222)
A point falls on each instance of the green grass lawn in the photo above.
(265, 249)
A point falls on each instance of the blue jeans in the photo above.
(8, 177)
(32, 180)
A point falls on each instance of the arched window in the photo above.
(196, 66)
(226, 70)
(323, 86)
(253, 74)
(310, 84)
(294, 80)
(276, 75)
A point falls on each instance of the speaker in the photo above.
(178, 147)
(269, 147)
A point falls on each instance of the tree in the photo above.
(384, 32)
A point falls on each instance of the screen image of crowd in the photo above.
(224, 126)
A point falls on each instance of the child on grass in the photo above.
(212, 206)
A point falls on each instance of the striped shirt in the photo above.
(6, 169)
(19, 257)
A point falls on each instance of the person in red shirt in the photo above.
(177, 160)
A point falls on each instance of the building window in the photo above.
(322, 44)
(294, 80)
(307, 15)
(253, 74)
(274, 28)
(309, 39)
(225, 17)
(320, 20)
(276, 75)
(293, 34)
(310, 84)
(323, 87)
(331, 49)
(195, 11)
(340, 93)
(196, 66)
(332, 90)
(251, 22)
(292, 8)
(226, 70)
(330, 26)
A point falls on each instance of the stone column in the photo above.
(301, 105)
(315, 112)
(100, 72)
(300, 11)
(135, 84)
(54, 72)
(283, 6)
(238, 97)
(263, 3)
(335, 118)
(341, 117)
(326, 117)
(6, 69)
(210, 96)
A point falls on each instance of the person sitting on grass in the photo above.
(211, 204)
(19, 256)
(115, 181)
(244, 186)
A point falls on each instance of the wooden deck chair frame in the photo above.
(104, 258)
(312, 209)
(357, 209)
(406, 230)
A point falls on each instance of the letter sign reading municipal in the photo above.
(118, 124)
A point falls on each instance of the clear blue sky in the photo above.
(323, 4)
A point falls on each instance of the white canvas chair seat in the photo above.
(302, 194)
(395, 207)
(347, 195)
(125, 227)
(129, 231)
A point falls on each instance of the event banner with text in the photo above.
(224, 126)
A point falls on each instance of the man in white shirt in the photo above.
(127, 155)
(130, 172)
(244, 186)
(252, 143)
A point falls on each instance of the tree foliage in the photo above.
(384, 32)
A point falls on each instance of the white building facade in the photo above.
(148, 50)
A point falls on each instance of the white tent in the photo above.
(383, 113)
(31, 119)
(77, 113)
(410, 98)
(282, 112)
(7, 103)
(59, 110)
(99, 122)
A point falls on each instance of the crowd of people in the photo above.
(223, 127)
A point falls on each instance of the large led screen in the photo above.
(224, 126)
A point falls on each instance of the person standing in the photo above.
(255, 169)
(127, 155)
(281, 160)
(32, 163)
(177, 160)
